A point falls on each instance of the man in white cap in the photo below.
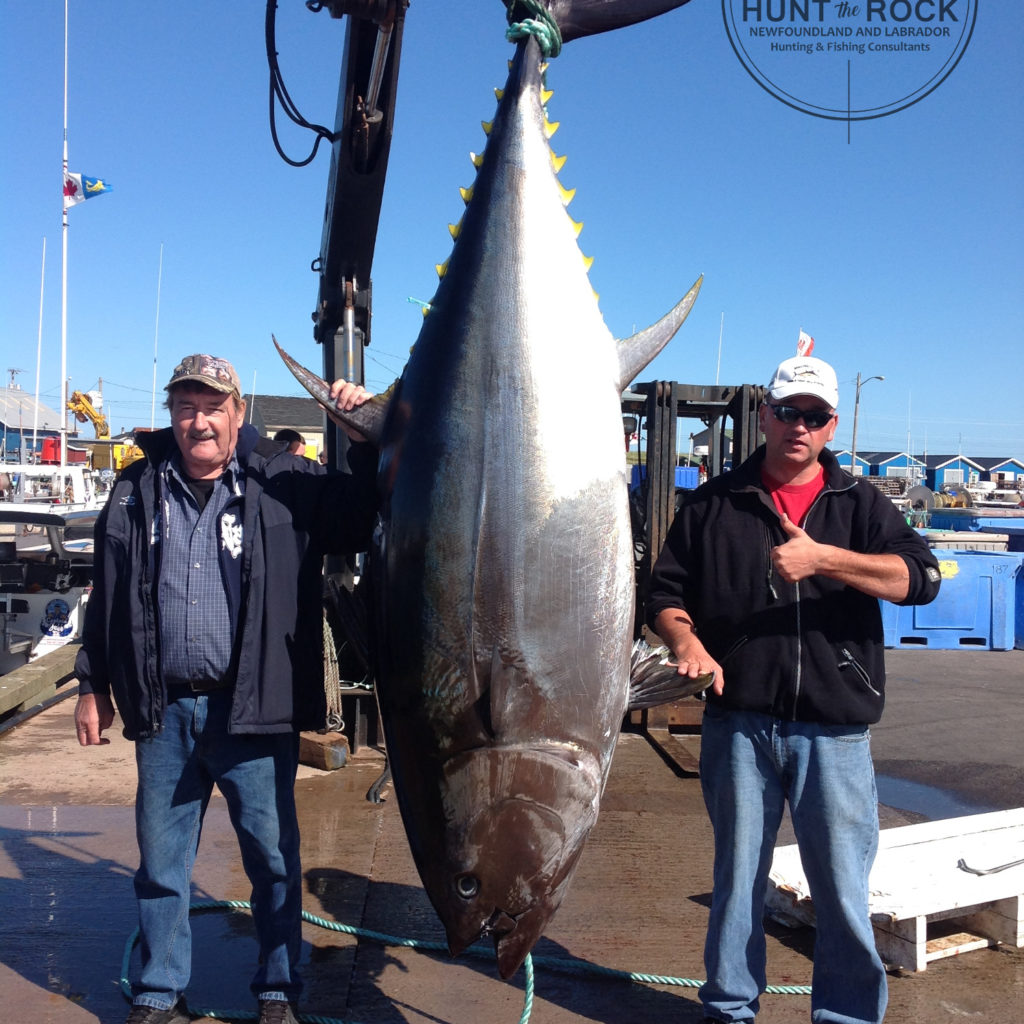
(205, 628)
(770, 577)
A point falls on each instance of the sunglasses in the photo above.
(814, 420)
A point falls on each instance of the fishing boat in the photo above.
(45, 580)
(42, 485)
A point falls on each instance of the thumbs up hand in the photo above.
(799, 557)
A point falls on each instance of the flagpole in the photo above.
(156, 336)
(721, 330)
(39, 352)
(64, 270)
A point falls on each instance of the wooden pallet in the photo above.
(37, 680)
(924, 904)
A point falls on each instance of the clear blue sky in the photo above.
(901, 250)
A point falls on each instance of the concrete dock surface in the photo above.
(949, 744)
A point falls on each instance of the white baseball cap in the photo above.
(804, 375)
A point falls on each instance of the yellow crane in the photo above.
(111, 456)
(86, 412)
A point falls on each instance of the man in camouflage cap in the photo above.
(205, 629)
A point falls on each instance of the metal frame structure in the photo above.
(661, 404)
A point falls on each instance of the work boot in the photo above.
(176, 1014)
(276, 1011)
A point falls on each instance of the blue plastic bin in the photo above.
(687, 477)
(979, 606)
(1019, 633)
(974, 519)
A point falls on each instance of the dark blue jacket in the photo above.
(293, 513)
(809, 651)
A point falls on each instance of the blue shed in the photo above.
(1003, 472)
(950, 469)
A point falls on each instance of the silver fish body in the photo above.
(503, 574)
(505, 570)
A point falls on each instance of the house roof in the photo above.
(990, 462)
(269, 413)
(880, 458)
(983, 463)
(18, 411)
(877, 458)
(939, 461)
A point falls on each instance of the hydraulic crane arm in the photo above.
(85, 411)
(355, 187)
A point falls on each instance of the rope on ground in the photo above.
(567, 964)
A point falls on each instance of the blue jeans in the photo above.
(750, 765)
(256, 774)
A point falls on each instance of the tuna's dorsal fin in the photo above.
(636, 352)
(368, 419)
(653, 678)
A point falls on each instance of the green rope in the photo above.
(539, 24)
(555, 963)
(583, 967)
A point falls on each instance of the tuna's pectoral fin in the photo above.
(368, 419)
(636, 352)
(653, 678)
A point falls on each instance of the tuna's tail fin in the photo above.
(578, 18)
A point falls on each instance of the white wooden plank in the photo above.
(916, 880)
(945, 828)
(1002, 920)
(902, 943)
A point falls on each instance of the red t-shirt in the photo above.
(794, 499)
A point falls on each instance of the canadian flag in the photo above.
(804, 344)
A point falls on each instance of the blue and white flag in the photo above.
(79, 187)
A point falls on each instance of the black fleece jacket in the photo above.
(293, 512)
(808, 651)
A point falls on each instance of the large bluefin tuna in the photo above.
(503, 578)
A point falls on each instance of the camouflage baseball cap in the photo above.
(212, 371)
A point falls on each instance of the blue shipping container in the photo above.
(977, 606)
(974, 519)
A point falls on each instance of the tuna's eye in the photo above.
(467, 886)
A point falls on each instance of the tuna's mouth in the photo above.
(499, 924)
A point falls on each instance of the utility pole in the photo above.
(856, 410)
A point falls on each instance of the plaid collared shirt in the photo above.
(196, 627)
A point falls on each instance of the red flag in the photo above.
(804, 344)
